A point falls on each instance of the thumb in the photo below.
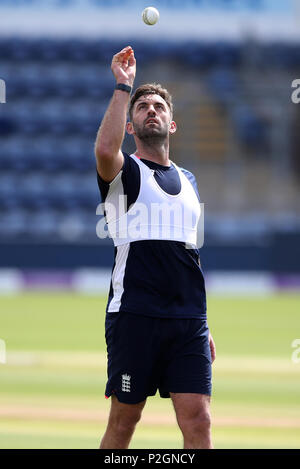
(131, 59)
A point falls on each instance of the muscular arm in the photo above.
(110, 137)
(109, 156)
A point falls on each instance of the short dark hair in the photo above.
(151, 88)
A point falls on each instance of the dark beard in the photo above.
(151, 136)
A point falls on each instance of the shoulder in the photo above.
(130, 163)
(191, 177)
(129, 168)
(126, 182)
(187, 173)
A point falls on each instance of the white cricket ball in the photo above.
(150, 15)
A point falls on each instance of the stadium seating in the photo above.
(58, 90)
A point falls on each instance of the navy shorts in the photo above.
(146, 354)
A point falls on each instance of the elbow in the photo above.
(102, 152)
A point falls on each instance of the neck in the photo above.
(158, 153)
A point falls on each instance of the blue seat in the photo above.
(7, 125)
(78, 154)
(5, 162)
(44, 156)
(34, 191)
(251, 129)
(73, 225)
(198, 55)
(19, 49)
(224, 85)
(226, 54)
(16, 88)
(13, 155)
(98, 51)
(46, 50)
(13, 224)
(43, 224)
(5, 48)
(281, 55)
(62, 191)
(88, 194)
(107, 48)
(32, 126)
(295, 54)
(100, 87)
(9, 193)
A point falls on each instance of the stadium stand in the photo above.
(58, 90)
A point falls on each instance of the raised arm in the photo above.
(111, 133)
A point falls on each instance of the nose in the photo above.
(151, 110)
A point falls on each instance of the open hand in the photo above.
(124, 66)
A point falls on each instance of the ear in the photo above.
(129, 128)
(172, 127)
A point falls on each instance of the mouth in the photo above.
(151, 121)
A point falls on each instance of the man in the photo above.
(156, 330)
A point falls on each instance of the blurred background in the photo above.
(229, 65)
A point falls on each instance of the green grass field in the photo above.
(52, 386)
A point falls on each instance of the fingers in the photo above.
(126, 48)
(131, 59)
(124, 54)
(213, 355)
(212, 348)
(124, 63)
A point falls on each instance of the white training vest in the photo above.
(155, 214)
